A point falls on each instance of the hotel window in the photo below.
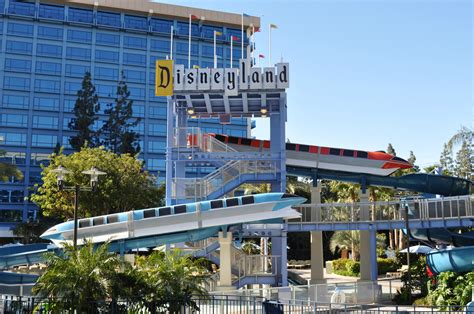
(78, 53)
(19, 83)
(157, 129)
(160, 45)
(134, 59)
(161, 26)
(79, 36)
(19, 47)
(105, 90)
(46, 103)
(184, 47)
(43, 140)
(22, 8)
(208, 32)
(156, 146)
(80, 15)
(156, 164)
(50, 32)
(76, 70)
(134, 42)
(71, 88)
(137, 92)
(183, 29)
(66, 143)
(136, 22)
(106, 56)
(51, 12)
(14, 139)
(47, 86)
(16, 197)
(11, 215)
(106, 73)
(108, 19)
(14, 101)
(49, 50)
(15, 120)
(39, 159)
(107, 39)
(70, 103)
(43, 122)
(48, 67)
(20, 29)
(17, 65)
(209, 51)
(138, 110)
(139, 128)
(135, 76)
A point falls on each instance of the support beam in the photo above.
(368, 243)
(316, 238)
(225, 242)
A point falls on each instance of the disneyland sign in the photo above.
(231, 81)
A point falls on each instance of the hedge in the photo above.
(348, 267)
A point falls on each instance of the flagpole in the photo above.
(189, 43)
(270, 45)
(242, 37)
(231, 50)
(215, 55)
(171, 43)
(252, 43)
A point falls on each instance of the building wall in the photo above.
(45, 50)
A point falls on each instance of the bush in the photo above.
(347, 267)
(386, 265)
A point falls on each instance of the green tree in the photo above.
(464, 159)
(78, 279)
(85, 112)
(391, 150)
(118, 130)
(446, 160)
(350, 240)
(412, 159)
(174, 279)
(8, 170)
(125, 187)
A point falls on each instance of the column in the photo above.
(368, 243)
(225, 242)
(316, 238)
(169, 149)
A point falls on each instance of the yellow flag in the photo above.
(164, 78)
(218, 33)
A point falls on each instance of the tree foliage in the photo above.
(119, 136)
(8, 170)
(464, 160)
(85, 112)
(125, 186)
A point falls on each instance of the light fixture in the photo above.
(190, 111)
(61, 173)
(94, 173)
(263, 110)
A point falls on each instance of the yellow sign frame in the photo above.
(164, 78)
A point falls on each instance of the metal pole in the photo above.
(407, 227)
(76, 203)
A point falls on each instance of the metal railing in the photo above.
(420, 209)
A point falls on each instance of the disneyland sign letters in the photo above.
(230, 80)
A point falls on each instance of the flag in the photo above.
(261, 56)
(194, 17)
(273, 26)
(234, 38)
(196, 67)
(256, 30)
(218, 33)
(246, 15)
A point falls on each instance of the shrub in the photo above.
(386, 265)
(347, 267)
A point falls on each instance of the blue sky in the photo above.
(368, 73)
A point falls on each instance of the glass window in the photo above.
(17, 65)
(182, 47)
(48, 67)
(43, 140)
(80, 15)
(66, 143)
(50, 32)
(160, 45)
(19, 120)
(139, 128)
(135, 76)
(133, 58)
(136, 22)
(138, 110)
(20, 29)
(76, 70)
(66, 122)
(137, 92)
(106, 73)
(12, 215)
(44, 122)
(22, 8)
(19, 47)
(106, 90)
(208, 31)
(107, 39)
(79, 36)
(183, 29)
(334, 151)
(14, 139)
(69, 103)
(49, 50)
(156, 164)
(78, 53)
(51, 12)
(20, 83)
(39, 159)
(71, 88)
(156, 146)
(157, 129)
(46, 103)
(106, 56)
(47, 86)
(14, 158)
(208, 51)
(16, 197)
(134, 42)
(109, 19)
(14, 101)
(161, 26)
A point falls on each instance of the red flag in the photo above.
(257, 29)
(194, 17)
(234, 38)
(261, 56)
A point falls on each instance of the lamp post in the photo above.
(61, 173)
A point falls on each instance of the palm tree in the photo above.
(76, 279)
(174, 279)
(350, 240)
